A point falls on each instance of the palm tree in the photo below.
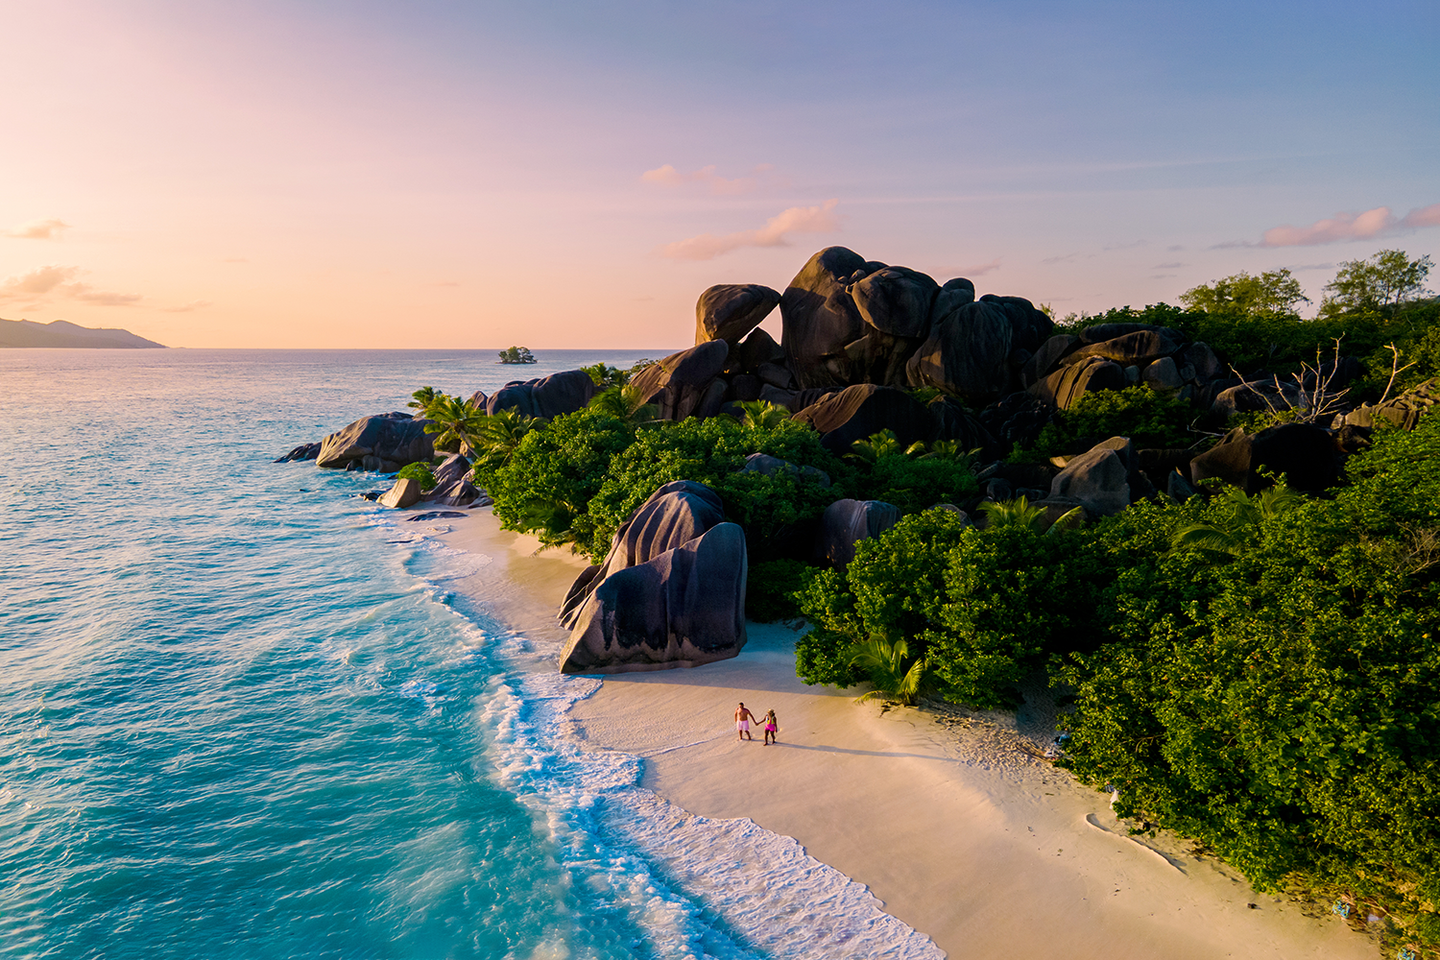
(1020, 512)
(423, 398)
(455, 423)
(1240, 520)
(880, 445)
(500, 433)
(624, 402)
(763, 415)
(885, 664)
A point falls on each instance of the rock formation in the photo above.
(390, 440)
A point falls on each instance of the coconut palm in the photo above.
(625, 402)
(499, 434)
(1020, 512)
(1241, 516)
(763, 415)
(455, 423)
(883, 444)
(423, 398)
(885, 664)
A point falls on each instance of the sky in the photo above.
(564, 174)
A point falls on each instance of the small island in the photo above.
(517, 355)
(63, 333)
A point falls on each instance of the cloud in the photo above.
(56, 282)
(707, 246)
(670, 177)
(39, 230)
(1378, 222)
(1167, 266)
(979, 271)
(1132, 245)
(187, 307)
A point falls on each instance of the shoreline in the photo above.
(949, 820)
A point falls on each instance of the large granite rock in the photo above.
(1098, 479)
(1403, 411)
(1047, 357)
(858, 412)
(455, 493)
(1064, 388)
(897, 301)
(1030, 326)
(728, 311)
(405, 493)
(847, 522)
(684, 608)
(1309, 457)
(967, 353)
(674, 515)
(392, 437)
(547, 397)
(685, 384)
(452, 468)
(1136, 348)
(820, 317)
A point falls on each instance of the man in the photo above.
(742, 723)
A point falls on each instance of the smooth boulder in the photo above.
(685, 384)
(729, 311)
(672, 516)
(547, 397)
(683, 608)
(405, 493)
(393, 437)
(820, 318)
(847, 522)
(967, 353)
(1098, 480)
(858, 412)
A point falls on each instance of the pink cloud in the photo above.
(981, 270)
(38, 230)
(1351, 226)
(668, 176)
(707, 246)
(54, 281)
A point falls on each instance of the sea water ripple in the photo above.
(241, 715)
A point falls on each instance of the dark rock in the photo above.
(1200, 362)
(375, 464)
(547, 397)
(1307, 455)
(1228, 460)
(387, 437)
(758, 349)
(779, 397)
(456, 493)
(967, 353)
(897, 301)
(775, 375)
(680, 384)
(745, 387)
(820, 318)
(765, 464)
(1097, 479)
(437, 515)
(954, 422)
(857, 412)
(1163, 376)
(845, 523)
(998, 489)
(729, 311)
(306, 451)
(1109, 331)
(683, 608)
(673, 515)
(808, 398)
(479, 401)
(1256, 396)
(1064, 388)
(1017, 418)
(1403, 411)
(452, 468)
(953, 293)
(1139, 347)
(371, 495)
(1031, 327)
(1178, 487)
(405, 493)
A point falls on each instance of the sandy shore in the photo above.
(951, 821)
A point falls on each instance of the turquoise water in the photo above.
(242, 717)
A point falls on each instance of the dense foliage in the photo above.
(1148, 418)
(420, 473)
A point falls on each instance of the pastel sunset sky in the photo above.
(567, 174)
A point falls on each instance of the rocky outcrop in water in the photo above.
(389, 441)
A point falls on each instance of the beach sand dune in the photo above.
(950, 820)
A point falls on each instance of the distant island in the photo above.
(62, 333)
(517, 355)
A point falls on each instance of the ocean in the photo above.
(242, 716)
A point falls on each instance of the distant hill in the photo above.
(62, 333)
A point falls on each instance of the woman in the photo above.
(771, 728)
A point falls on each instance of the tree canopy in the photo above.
(1273, 291)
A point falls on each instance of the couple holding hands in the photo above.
(743, 716)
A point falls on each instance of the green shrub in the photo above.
(915, 483)
(1149, 419)
(770, 589)
(419, 472)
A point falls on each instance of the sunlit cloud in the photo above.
(670, 177)
(775, 233)
(1168, 266)
(190, 307)
(979, 270)
(1374, 223)
(38, 230)
(60, 283)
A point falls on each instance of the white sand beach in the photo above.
(952, 822)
